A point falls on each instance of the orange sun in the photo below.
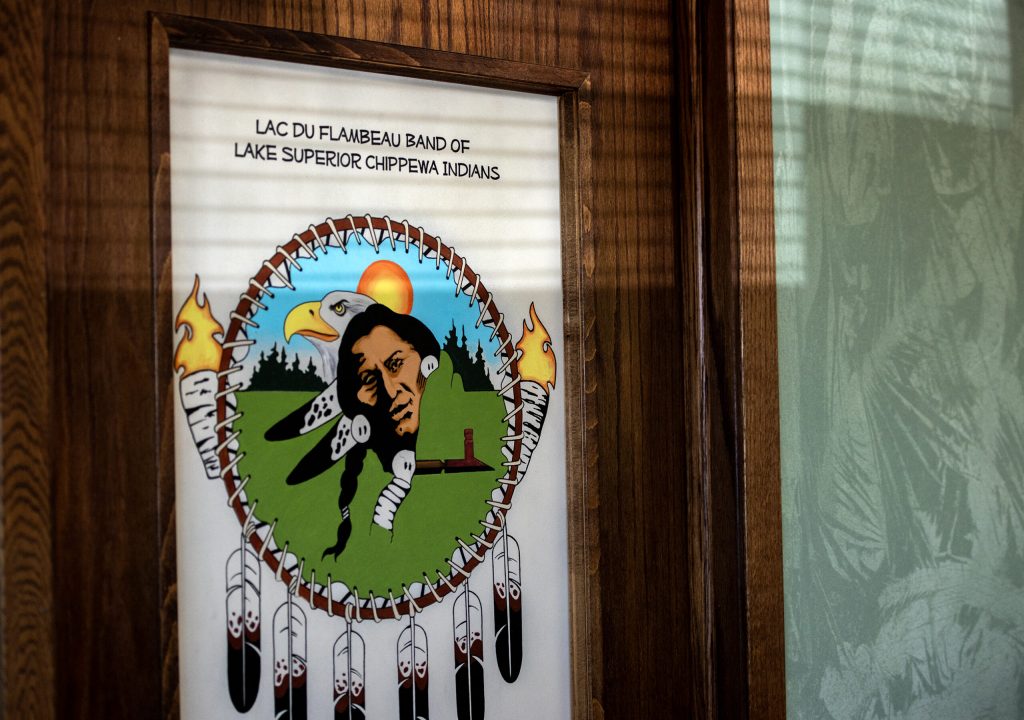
(387, 283)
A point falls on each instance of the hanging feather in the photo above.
(243, 623)
(349, 676)
(412, 672)
(289, 662)
(469, 656)
(508, 606)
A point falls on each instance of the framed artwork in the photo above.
(372, 298)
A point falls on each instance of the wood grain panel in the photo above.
(709, 273)
(761, 473)
(103, 331)
(674, 462)
(641, 456)
(730, 339)
(26, 592)
(689, 164)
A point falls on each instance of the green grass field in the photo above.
(438, 509)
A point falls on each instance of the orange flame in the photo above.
(198, 350)
(537, 362)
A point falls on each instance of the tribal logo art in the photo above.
(370, 416)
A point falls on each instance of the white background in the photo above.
(228, 215)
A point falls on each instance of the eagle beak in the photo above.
(305, 320)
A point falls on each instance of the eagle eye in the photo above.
(338, 308)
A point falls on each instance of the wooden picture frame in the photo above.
(571, 88)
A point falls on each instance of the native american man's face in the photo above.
(389, 378)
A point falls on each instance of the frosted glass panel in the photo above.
(899, 169)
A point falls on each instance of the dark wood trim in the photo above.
(704, 160)
(725, 171)
(581, 452)
(688, 176)
(26, 538)
(572, 88)
(163, 343)
(759, 373)
(232, 38)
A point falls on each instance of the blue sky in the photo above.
(434, 301)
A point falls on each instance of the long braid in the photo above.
(348, 482)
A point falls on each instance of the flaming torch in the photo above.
(198, 355)
(536, 380)
(537, 373)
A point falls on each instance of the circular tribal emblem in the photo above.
(369, 413)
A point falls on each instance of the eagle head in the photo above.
(323, 322)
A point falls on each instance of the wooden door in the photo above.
(87, 631)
